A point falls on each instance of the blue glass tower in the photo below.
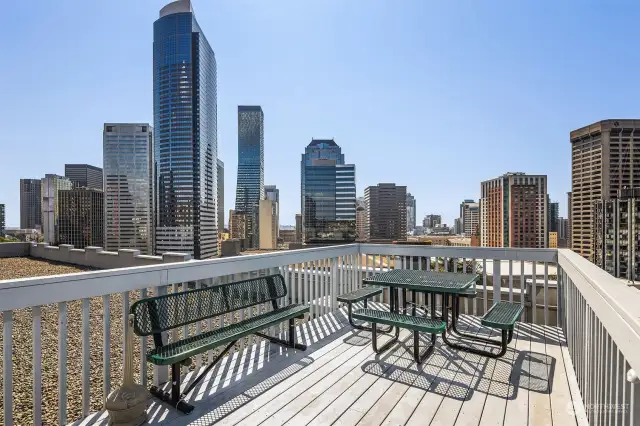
(250, 186)
(328, 195)
(185, 144)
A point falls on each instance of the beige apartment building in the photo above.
(268, 224)
(605, 158)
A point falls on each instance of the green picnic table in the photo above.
(451, 286)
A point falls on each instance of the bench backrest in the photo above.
(157, 314)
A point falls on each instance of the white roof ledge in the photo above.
(178, 6)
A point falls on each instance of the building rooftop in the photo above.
(25, 267)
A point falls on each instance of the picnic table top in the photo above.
(428, 281)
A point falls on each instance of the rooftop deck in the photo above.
(340, 380)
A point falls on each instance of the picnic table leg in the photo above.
(454, 328)
(433, 315)
(374, 339)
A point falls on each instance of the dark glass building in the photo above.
(185, 142)
(250, 185)
(81, 219)
(84, 176)
(30, 204)
(328, 195)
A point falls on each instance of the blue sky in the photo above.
(437, 96)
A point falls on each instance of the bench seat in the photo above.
(425, 325)
(502, 315)
(359, 294)
(179, 351)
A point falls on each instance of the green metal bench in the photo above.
(416, 324)
(503, 316)
(360, 295)
(152, 316)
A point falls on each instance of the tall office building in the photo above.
(81, 220)
(50, 186)
(386, 207)
(328, 194)
(2, 220)
(605, 159)
(361, 219)
(432, 221)
(221, 222)
(298, 228)
(268, 221)
(469, 217)
(250, 184)
(30, 204)
(411, 212)
(128, 169)
(616, 234)
(562, 224)
(84, 176)
(185, 139)
(513, 211)
(554, 214)
(272, 193)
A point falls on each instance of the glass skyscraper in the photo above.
(328, 194)
(185, 140)
(128, 170)
(250, 185)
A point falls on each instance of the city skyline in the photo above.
(318, 84)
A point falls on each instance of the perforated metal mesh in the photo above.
(359, 294)
(502, 315)
(442, 282)
(405, 321)
(158, 314)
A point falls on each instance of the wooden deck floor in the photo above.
(340, 381)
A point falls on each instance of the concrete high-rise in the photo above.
(469, 217)
(432, 221)
(84, 176)
(81, 219)
(605, 159)
(272, 193)
(298, 228)
(30, 204)
(221, 221)
(185, 134)
(129, 200)
(328, 194)
(513, 211)
(386, 207)
(250, 183)
(361, 219)
(411, 212)
(569, 244)
(50, 186)
(268, 221)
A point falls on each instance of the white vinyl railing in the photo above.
(82, 314)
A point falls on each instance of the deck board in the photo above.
(340, 381)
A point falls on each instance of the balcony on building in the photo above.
(573, 359)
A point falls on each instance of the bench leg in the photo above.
(175, 398)
(454, 327)
(362, 327)
(374, 339)
(290, 342)
(420, 357)
(503, 343)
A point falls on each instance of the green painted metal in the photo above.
(502, 315)
(359, 294)
(429, 281)
(161, 313)
(426, 325)
(194, 345)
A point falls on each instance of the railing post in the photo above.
(497, 282)
(334, 284)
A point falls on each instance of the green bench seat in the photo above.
(415, 324)
(155, 315)
(194, 345)
(360, 295)
(425, 325)
(502, 315)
